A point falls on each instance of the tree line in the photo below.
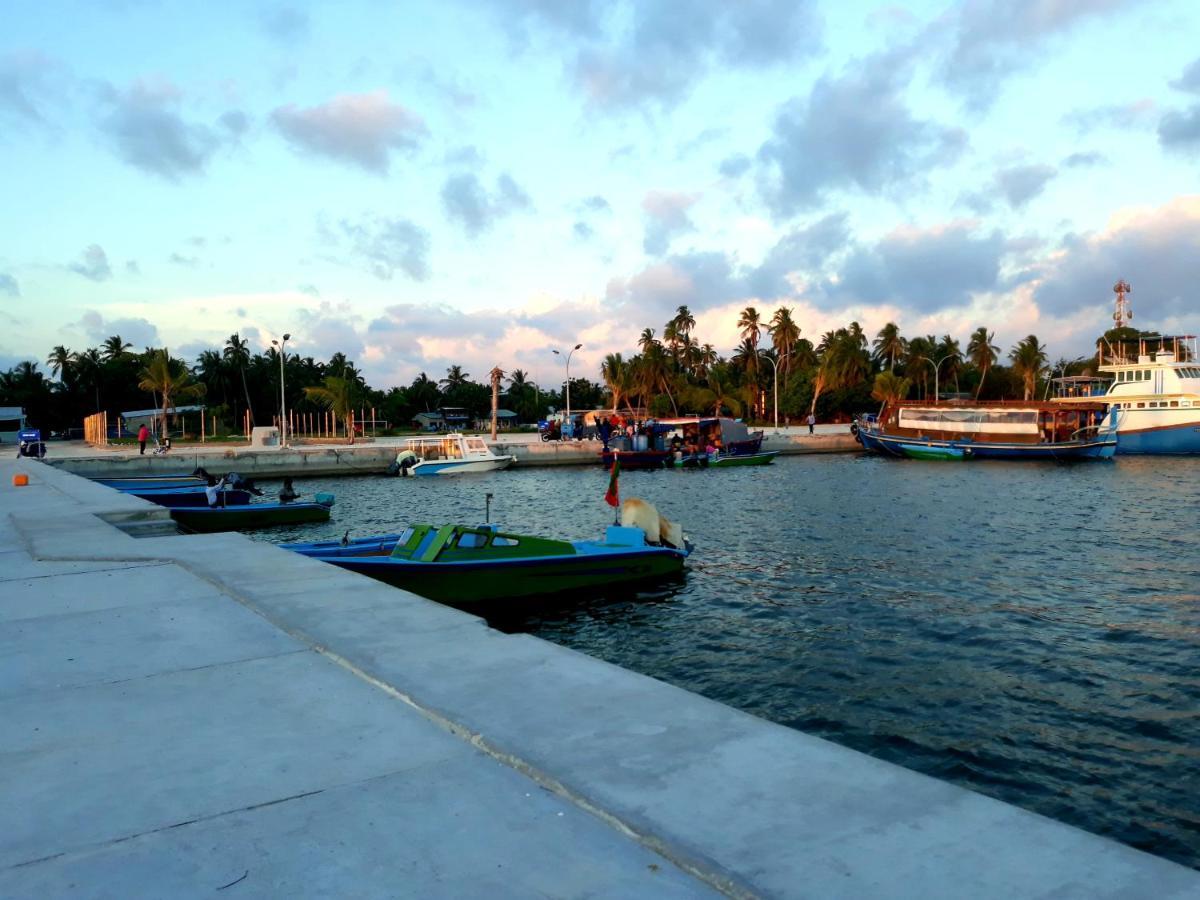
(845, 372)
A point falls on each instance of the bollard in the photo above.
(20, 480)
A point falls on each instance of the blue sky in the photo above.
(425, 184)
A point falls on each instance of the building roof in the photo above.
(11, 412)
(172, 411)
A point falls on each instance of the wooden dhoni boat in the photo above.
(990, 430)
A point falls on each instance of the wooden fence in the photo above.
(95, 429)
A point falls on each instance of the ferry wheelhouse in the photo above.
(989, 430)
(1154, 393)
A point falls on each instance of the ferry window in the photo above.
(1141, 406)
(1145, 374)
(1174, 402)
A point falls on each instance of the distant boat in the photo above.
(462, 564)
(449, 454)
(132, 483)
(989, 430)
(723, 460)
(664, 442)
(251, 516)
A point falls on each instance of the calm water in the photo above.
(1029, 631)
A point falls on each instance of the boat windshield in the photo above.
(971, 421)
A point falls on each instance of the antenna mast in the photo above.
(1124, 311)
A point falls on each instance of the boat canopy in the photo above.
(732, 430)
(970, 421)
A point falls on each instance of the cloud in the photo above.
(145, 128)
(26, 83)
(921, 269)
(1189, 81)
(666, 218)
(327, 329)
(596, 204)
(1020, 184)
(93, 264)
(735, 166)
(583, 230)
(1121, 116)
(188, 262)
(805, 249)
(360, 129)
(666, 50)
(853, 130)
(1179, 130)
(1083, 159)
(286, 24)
(468, 204)
(1157, 249)
(235, 124)
(700, 280)
(389, 245)
(137, 331)
(9, 285)
(310, 289)
(989, 39)
(132, 267)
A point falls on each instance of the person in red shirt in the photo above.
(143, 436)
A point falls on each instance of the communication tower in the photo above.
(1124, 311)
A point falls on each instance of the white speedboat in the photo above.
(448, 454)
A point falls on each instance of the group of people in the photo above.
(619, 426)
(235, 482)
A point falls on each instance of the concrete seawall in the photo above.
(186, 714)
(370, 458)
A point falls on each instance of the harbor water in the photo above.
(1030, 631)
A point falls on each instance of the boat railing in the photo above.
(1148, 348)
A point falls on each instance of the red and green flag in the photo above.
(613, 495)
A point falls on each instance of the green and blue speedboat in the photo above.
(462, 564)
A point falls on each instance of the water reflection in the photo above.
(1026, 630)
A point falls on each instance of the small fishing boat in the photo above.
(722, 460)
(133, 483)
(665, 442)
(178, 497)
(449, 454)
(253, 515)
(1012, 430)
(463, 564)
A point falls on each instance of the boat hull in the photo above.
(1171, 438)
(252, 516)
(636, 459)
(459, 466)
(907, 448)
(151, 483)
(478, 582)
(177, 498)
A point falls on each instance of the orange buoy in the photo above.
(20, 480)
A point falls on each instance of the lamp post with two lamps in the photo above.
(282, 395)
(569, 355)
(775, 366)
(936, 367)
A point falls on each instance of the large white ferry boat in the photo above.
(1154, 392)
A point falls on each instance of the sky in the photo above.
(477, 183)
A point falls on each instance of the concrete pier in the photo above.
(373, 457)
(183, 715)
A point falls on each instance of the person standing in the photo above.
(143, 436)
(812, 420)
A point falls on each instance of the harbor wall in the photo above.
(369, 458)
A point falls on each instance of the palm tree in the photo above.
(61, 361)
(684, 321)
(844, 362)
(889, 345)
(89, 366)
(949, 351)
(919, 349)
(889, 388)
(341, 395)
(616, 374)
(706, 358)
(673, 339)
(654, 375)
(114, 348)
(171, 379)
(647, 339)
(983, 354)
(784, 334)
(1029, 359)
(424, 392)
(455, 377)
(751, 326)
(237, 353)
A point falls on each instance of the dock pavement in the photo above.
(194, 716)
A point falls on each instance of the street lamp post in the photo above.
(937, 366)
(775, 369)
(282, 395)
(569, 355)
